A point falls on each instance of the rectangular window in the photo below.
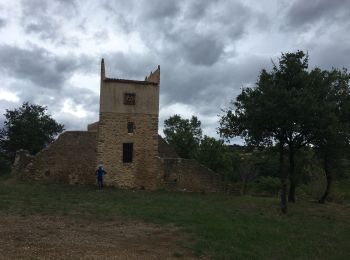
(127, 152)
(130, 127)
(129, 98)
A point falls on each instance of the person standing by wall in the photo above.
(100, 172)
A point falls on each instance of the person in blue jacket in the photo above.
(100, 172)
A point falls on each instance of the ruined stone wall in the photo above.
(93, 127)
(112, 133)
(165, 150)
(69, 159)
(22, 159)
(188, 175)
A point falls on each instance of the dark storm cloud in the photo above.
(208, 88)
(195, 31)
(204, 47)
(203, 50)
(302, 13)
(39, 66)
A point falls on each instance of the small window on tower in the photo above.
(129, 98)
(131, 127)
(127, 152)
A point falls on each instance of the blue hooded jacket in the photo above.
(100, 172)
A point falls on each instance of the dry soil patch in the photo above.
(48, 237)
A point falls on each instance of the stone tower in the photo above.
(127, 137)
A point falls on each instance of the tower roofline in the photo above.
(141, 82)
(152, 79)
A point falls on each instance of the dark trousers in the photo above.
(100, 183)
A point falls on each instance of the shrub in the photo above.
(316, 182)
(269, 185)
(5, 165)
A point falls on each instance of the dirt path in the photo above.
(42, 237)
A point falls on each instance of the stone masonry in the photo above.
(125, 141)
(113, 132)
(70, 159)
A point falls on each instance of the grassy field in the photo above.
(223, 226)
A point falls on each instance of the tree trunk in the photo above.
(292, 177)
(329, 177)
(291, 195)
(244, 188)
(283, 176)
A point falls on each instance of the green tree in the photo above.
(331, 124)
(214, 154)
(27, 127)
(184, 135)
(276, 111)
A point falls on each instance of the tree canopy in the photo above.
(28, 127)
(288, 107)
(183, 134)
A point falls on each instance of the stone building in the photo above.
(125, 141)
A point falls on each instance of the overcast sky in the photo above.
(50, 51)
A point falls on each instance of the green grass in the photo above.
(226, 227)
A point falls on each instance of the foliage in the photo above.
(331, 125)
(316, 181)
(214, 154)
(269, 185)
(292, 108)
(5, 164)
(27, 127)
(184, 135)
(274, 109)
(277, 110)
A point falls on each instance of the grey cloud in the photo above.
(101, 36)
(131, 66)
(160, 8)
(203, 50)
(47, 30)
(3, 106)
(2, 22)
(54, 99)
(303, 13)
(39, 66)
(117, 14)
(198, 9)
(194, 42)
(197, 31)
(80, 96)
(330, 55)
(44, 20)
(41, 8)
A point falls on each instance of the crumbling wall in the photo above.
(69, 159)
(93, 127)
(165, 150)
(188, 175)
(23, 158)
